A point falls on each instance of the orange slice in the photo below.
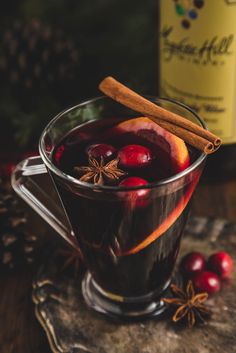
(167, 223)
(149, 130)
(176, 151)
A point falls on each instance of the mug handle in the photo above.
(24, 182)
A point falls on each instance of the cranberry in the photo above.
(135, 198)
(101, 150)
(221, 263)
(192, 263)
(59, 152)
(206, 281)
(134, 156)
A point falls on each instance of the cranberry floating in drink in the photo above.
(101, 150)
(125, 184)
(134, 156)
(135, 198)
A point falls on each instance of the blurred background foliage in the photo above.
(53, 53)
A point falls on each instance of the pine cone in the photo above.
(17, 246)
(33, 54)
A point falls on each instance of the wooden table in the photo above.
(19, 330)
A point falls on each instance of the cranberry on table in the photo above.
(101, 150)
(192, 263)
(134, 156)
(206, 281)
(135, 198)
(221, 263)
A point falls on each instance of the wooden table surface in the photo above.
(20, 332)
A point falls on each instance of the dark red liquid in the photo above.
(107, 228)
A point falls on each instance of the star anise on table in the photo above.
(99, 172)
(190, 304)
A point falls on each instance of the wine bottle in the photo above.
(198, 67)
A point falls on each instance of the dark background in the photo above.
(53, 53)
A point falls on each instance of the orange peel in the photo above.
(167, 223)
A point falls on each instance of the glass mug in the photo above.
(130, 253)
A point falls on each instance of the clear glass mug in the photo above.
(130, 253)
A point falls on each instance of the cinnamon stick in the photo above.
(190, 132)
(188, 136)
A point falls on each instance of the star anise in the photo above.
(189, 304)
(98, 172)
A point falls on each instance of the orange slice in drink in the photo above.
(176, 150)
(167, 223)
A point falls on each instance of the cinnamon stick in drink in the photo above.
(190, 132)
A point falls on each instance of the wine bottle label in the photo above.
(198, 60)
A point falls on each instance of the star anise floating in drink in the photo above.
(190, 304)
(98, 172)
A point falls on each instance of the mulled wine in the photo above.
(125, 185)
(127, 228)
